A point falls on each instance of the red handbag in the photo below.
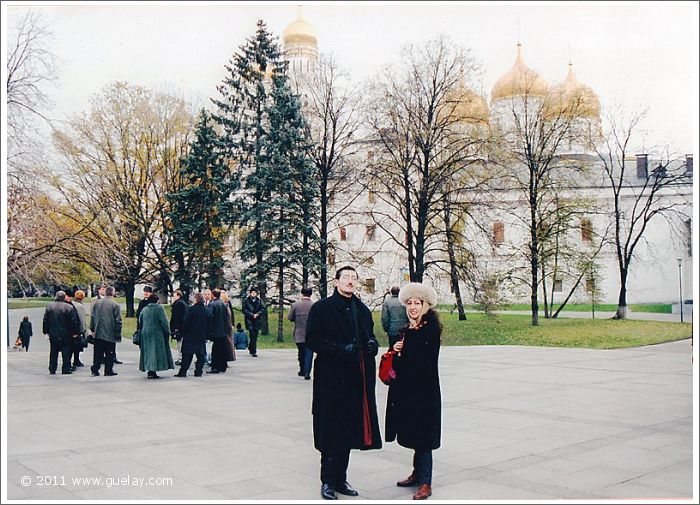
(386, 367)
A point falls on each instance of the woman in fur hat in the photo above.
(414, 405)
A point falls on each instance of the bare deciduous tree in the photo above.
(663, 192)
(332, 109)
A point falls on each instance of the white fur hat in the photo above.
(417, 290)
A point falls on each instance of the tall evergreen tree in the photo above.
(242, 112)
(198, 217)
(275, 197)
(285, 174)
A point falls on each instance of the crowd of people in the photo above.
(338, 329)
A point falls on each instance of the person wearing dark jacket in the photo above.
(253, 308)
(195, 329)
(25, 332)
(413, 411)
(220, 327)
(61, 324)
(178, 309)
(339, 330)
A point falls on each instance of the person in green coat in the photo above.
(155, 333)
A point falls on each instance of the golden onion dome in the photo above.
(573, 97)
(300, 32)
(519, 81)
(472, 107)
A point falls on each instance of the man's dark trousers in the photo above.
(253, 344)
(103, 353)
(334, 467)
(59, 346)
(186, 361)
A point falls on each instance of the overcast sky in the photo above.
(639, 54)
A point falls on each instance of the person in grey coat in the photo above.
(155, 337)
(299, 313)
(61, 324)
(393, 316)
(106, 326)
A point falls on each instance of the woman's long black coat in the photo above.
(414, 405)
(195, 329)
(339, 384)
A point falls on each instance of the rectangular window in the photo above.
(586, 230)
(557, 286)
(370, 232)
(689, 164)
(642, 166)
(498, 232)
(590, 285)
(343, 233)
(369, 286)
(689, 236)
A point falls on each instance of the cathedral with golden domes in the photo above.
(665, 253)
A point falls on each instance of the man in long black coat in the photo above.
(253, 309)
(195, 329)
(178, 309)
(60, 323)
(340, 331)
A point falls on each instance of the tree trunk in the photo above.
(622, 297)
(454, 278)
(544, 294)
(129, 294)
(280, 301)
(323, 240)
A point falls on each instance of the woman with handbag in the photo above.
(414, 407)
(25, 334)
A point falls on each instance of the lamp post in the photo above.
(680, 287)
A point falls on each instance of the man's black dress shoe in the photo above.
(66, 372)
(300, 373)
(213, 370)
(198, 374)
(52, 372)
(345, 489)
(327, 492)
(307, 377)
(179, 375)
(117, 362)
(108, 374)
(78, 364)
(94, 374)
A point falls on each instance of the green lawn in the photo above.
(504, 329)
(660, 308)
(509, 330)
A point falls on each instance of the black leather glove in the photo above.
(351, 348)
(372, 347)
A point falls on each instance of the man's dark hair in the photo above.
(198, 298)
(109, 291)
(340, 270)
(60, 296)
(178, 293)
(215, 293)
(395, 290)
(252, 288)
(306, 291)
(148, 289)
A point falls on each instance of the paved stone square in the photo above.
(519, 423)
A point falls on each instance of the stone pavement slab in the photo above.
(519, 423)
